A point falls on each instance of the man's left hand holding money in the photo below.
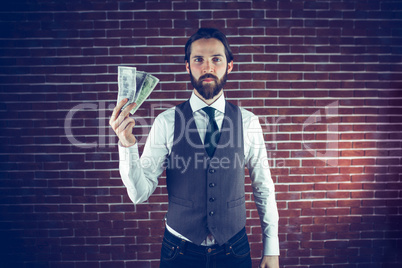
(122, 124)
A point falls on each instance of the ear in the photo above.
(230, 66)
(187, 67)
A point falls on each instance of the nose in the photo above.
(208, 67)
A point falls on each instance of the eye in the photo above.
(217, 60)
(198, 59)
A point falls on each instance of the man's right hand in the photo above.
(122, 124)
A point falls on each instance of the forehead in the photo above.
(207, 47)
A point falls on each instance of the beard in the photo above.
(209, 90)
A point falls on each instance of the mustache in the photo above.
(205, 76)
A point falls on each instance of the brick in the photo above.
(313, 212)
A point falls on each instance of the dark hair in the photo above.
(208, 33)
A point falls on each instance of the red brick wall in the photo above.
(324, 77)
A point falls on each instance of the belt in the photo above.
(184, 245)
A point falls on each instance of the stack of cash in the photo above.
(135, 86)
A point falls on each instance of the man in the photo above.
(204, 144)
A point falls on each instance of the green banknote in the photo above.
(148, 86)
(134, 85)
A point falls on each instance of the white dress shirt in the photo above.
(140, 175)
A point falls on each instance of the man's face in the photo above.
(208, 67)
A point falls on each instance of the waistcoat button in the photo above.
(211, 213)
(211, 199)
(212, 171)
(212, 185)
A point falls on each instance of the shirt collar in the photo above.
(197, 104)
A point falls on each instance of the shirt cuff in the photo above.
(271, 246)
(128, 154)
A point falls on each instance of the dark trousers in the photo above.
(179, 253)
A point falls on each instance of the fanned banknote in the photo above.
(127, 84)
(140, 79)
(147, 87)
(134, 85)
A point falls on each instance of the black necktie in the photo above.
(212, 135)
